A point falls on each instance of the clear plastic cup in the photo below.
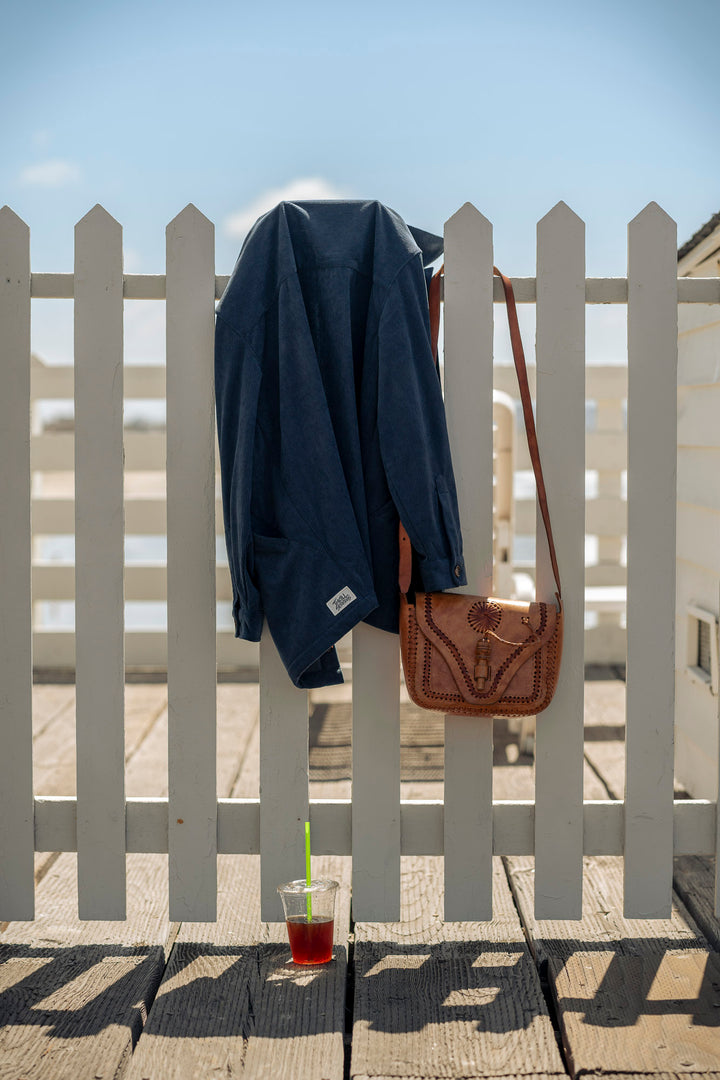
(310, 930)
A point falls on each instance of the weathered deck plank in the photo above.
(661, 1019)
(75, 995)
(54, 745)
(436, 999)
(54, 767)
(632, 996)
(655, 1076)
(693, 875)
(419, 984)
(605, 734)
(231, 1001)
(655, 1013)
(48, 702)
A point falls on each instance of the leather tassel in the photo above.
(482, 662)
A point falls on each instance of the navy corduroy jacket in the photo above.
(330, 425)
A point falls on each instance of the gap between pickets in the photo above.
(550, 1003)
(349, 999)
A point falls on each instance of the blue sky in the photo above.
(147, 106)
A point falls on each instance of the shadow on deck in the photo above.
(419, 998)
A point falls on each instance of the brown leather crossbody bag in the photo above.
(480, 655)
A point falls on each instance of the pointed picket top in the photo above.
(650, 214)
(98, 254)
(561, 243)
(654, 229)
(467, 214)
(652, 243)
(190, 216)
(468, 255)
(561, 252)
(467, 222)
(190, 249)
(10, 223)
(14, 249)
(98, 218)
(561, 215)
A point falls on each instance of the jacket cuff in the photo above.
(438, 574)
(248, 624)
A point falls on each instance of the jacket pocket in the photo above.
(297, 581)
(310, 600)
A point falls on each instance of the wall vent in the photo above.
(702, 646)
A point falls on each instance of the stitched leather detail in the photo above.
(485, 615)
(452, 647)
(439, 663)
(443, 618)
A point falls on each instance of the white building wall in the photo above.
(698, 531)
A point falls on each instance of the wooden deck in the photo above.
(147, 998)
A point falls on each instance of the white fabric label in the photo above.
(341, 600)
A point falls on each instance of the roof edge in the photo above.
(699, 236)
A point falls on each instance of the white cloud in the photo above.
(50, 174)
(310, 187)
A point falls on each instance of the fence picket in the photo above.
(99, 556)
(652, 440)
(375, 775)
(284, 804)
(16, 778)
(192, 823)
(560, 359)
(468, 405)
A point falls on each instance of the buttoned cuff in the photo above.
(438, 574)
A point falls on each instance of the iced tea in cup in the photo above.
(310, 917)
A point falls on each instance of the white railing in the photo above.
(192, 825)
(605, 507)
(53, 519)
(53, 516)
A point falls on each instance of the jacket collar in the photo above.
(430, 245)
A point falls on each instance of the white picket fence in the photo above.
(375, 826)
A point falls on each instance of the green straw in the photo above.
(307, 869)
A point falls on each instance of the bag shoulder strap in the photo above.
(521, 369)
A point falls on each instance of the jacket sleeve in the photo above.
(413, 434)
(237, 386)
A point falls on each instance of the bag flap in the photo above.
(456, 624)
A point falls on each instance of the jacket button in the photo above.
(458, 571)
